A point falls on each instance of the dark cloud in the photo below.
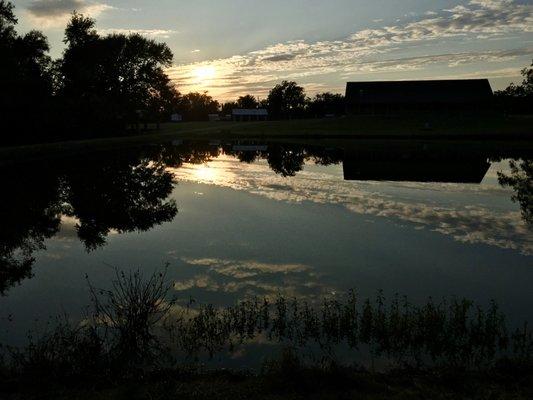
(280, 57)
(53, 8)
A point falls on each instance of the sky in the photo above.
(235, 47)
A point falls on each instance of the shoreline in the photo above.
(319, 131)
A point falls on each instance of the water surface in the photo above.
(233, 219)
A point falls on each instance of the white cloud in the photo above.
(253, 277)
(155, 33)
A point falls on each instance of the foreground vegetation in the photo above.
(286, 378)
(138, 342)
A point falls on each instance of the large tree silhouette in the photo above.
(286, 100)
(108, 82)
(25, 81)
(197, 106)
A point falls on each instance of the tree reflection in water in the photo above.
(30, 213)
(122, 193)
(520, 179)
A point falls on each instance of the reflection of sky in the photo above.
(241, 230)
(468, 213)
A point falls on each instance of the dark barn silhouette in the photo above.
(471, 170)
(408, 97)
(415, 163)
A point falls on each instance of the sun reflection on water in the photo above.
(206, 173)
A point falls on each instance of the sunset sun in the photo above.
(204, 73)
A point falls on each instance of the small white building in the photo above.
(249, 114)
(213, 117)
(176, 117)
(249, 147)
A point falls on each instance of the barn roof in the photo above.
(431, 91)
(250, 111)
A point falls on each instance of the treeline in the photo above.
(517, 99)
(286, 100)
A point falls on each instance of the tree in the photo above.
(286, 100)
(25, 80)
(521, 181)
(197, 106)
(286, 160)
(111, 81)
(30, 212)
(248, 101)
(518, 98)
(125, 193)
(228, 107)
(326, 103)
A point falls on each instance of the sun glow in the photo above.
(206, 174)
(204, 73)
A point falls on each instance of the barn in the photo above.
(404, 97)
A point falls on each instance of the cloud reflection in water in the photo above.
(440, 207)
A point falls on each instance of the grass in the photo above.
(340, 128)
(134, 344)
(370, 127)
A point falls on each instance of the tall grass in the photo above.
(134, 327)
(126, 318)
(455, 333)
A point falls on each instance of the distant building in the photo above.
(249, 114)
(249, 147)
(213, 117)
(400, 97)
(176, 117)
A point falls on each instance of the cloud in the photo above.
(450, 59)
(280, 57)
(155, 33)
(246, 268)
(369, 51)
(55, 13)
(252, 277)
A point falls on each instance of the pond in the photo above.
(235, 218)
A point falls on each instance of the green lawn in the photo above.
(359, 127)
